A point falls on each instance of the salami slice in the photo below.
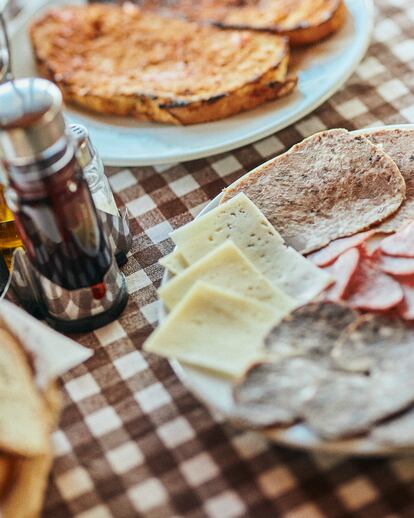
(372, 290)
(401, 243)
(342, 271)
(406, 308)
(328, 254)
(395, 265)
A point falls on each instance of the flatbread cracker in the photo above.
(331, 185)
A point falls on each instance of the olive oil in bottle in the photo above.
(9, 237)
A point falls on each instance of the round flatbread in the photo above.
(331, 185)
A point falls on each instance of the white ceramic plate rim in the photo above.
(296, 436)
(229, 139)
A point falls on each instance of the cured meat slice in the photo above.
(397, 432)
(395, 265)
(327, 255)
(331, 185)
(375, 343)
(274, 393)
(373, 290)
(342, 271)
(347, 404)
(373, 243)
(406, 308)
(401, 243)
(310, 330)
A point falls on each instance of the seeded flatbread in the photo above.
(310, 330)
(399, 145)
(331, 185)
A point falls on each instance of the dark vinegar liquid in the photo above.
(58, 223)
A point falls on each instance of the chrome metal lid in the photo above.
(31, 119)
(85, 152)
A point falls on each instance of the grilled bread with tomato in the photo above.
(119, 60)
(302, 21)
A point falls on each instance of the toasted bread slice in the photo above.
(302, 21)
(23, 480)
(119, 60)
(28, 476)
(22, 407)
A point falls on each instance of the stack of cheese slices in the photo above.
(235, 280)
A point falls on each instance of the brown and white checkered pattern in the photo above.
(132, 440)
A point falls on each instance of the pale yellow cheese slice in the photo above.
(174, 262)
(215, 329)
(241, 221)
(227, 267)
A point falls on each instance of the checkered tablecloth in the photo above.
(133, 441)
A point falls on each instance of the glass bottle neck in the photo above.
(50, 162)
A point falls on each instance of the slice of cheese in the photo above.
(241, 221)
(215, 329)
(227, 267)
(174, 262)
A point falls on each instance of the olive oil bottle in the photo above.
(9, 237)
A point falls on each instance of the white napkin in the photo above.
(52, 353)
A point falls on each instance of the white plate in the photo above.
(121, 141)
(215, 392)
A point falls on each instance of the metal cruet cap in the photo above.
(31, 119)
(84, 149)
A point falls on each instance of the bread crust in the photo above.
(302, 21)
(190, 74)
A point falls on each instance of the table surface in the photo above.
(132, 440)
